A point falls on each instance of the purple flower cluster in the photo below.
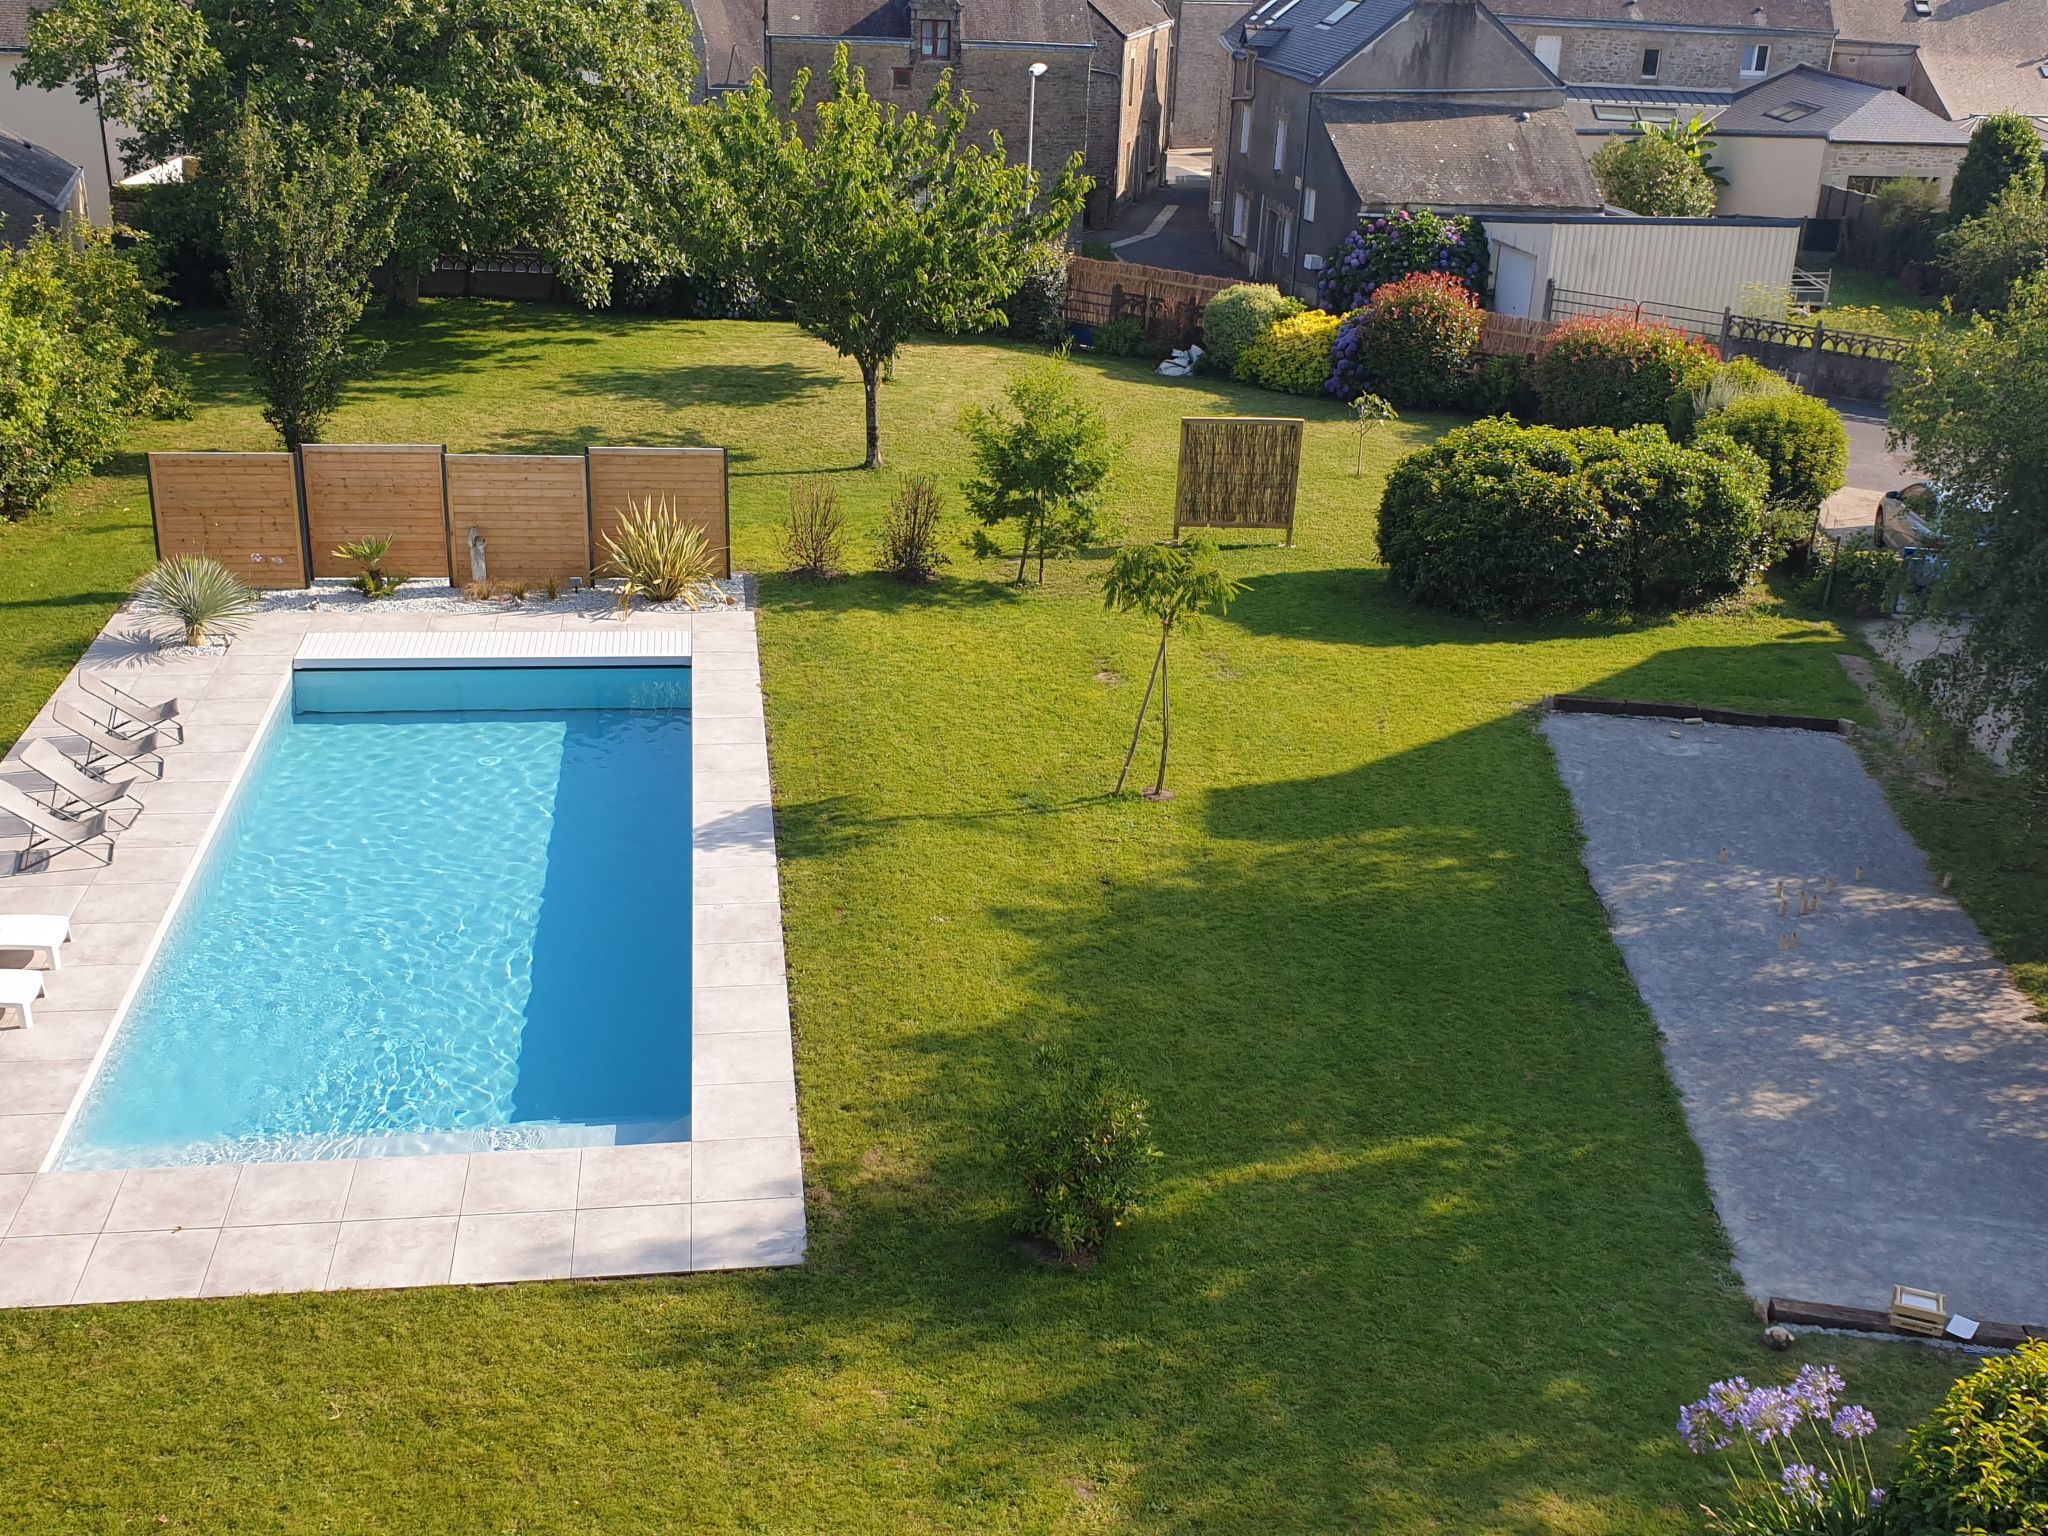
(1804, 1482)
(1384, 247)
(1825, 1467)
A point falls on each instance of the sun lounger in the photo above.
(18, 989)
(74, 792)
(102, 744)
(47, 830)
(36, 930)
(130, 714)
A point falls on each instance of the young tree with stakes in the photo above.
(877, 224)
(1173, 585)
(1042, 462)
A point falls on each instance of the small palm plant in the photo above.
(372, 580)
(1174, 585)
(197, 594)
(662, 558)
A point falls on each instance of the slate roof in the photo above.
(1454, 155)
(981, 21)
(729, 45)
(1981, 56)
(1299, 39)
(13, 26)
(1779, 15)
(1130, 17)
(1649, 103)
(1845, 111)
(34, 184)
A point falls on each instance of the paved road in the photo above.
(1171, 227)
(1873, 468)
(1872, 1104)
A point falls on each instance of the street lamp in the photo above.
(1031, 136)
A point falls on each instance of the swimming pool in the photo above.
(448, 909)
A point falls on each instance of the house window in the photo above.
(1869, 184)
(1286, 236)
(1756, 59)
(1279, 143)
(1652, 58)
(1244, 130)
(899, 77)
(935, 39)
(1308, 206)
(1238, 210)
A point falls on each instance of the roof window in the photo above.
(1791, 111)
(1339, 14)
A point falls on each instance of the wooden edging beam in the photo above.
(1581, 704)
(1821, 1314)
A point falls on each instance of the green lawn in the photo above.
(1433, 1251)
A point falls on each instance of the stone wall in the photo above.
(1126, 116)
(1201, 71)
(1935, 161)
(1614, 55)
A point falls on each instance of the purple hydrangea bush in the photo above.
(1808, 1471)
(1384, 247)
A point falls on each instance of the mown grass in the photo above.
(1433, 1251)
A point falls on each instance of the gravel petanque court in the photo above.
(1868, 1087)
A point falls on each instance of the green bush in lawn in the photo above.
(1979, 1464)
(1080, 1144)
(1502, 386)
(1293, 355)
(1861, 583)
(1502, 520)
(1614, 371)
(1413, 345)
(1238, 316)
(1801, 440)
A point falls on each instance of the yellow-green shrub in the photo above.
(1292, 355)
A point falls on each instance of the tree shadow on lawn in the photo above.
(735, 385)
(876, 591)
(1432, 1244)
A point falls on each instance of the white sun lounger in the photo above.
(103, 743)
(18, 989)
(130, 714)
(36, 930)
(74, 791)
(46, 829)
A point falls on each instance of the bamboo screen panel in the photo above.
(1238, 472)
(368, 492)
(692, 480)
(241, 509)
(531, 510)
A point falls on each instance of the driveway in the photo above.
(1171, 227)
(1873, 467)
(1867, 1086)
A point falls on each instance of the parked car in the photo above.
(1910, 517)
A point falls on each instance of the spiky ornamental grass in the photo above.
(197, 594)
(662, 558)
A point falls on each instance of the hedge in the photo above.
(1801, 440)
(1500, 520)
(1414, 345)
(1237, 317)
(1612, 371)
(1293, 355)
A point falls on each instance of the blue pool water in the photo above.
(449, 909)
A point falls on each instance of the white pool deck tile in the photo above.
(731, 1197)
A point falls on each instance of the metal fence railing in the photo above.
(1568, 303)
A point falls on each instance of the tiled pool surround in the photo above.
(729, 1197)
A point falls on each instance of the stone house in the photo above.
(1049, 78)
(1343, 106)
(1723, 44)
(1963, 59)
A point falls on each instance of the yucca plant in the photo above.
(662, 558)
(372, 581)
(196, 593)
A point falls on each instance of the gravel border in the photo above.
(428, 596)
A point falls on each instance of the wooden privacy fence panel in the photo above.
(365, 492)
(1238, 472)
(1169, 302)
(241, 509)
(692, 480)
(530, 509)
(1512, 335)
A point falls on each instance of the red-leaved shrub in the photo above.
(1614, 371)
(1414, 345)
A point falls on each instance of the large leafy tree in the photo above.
(870, 223)
(2004, 151)
(1971, 406)
(1983, 258)
(302, 234)
(554, 125)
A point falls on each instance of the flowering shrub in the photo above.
(1613, 371)
(1809, 1463)
(1238, 316)
(1414, 345)
(1293, 354)
(1387, 246)
(1499, 520)
(1980, 1462)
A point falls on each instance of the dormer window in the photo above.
(935, 39)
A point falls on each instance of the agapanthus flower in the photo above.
(1876, 1497)
(1771, 1413)
(1806, 1483)
(1724, 1400)
(1853, 1421)
(1815, 1389)
(1700, 1428)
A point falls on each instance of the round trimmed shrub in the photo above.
(1501, 520)
(1238, 316)
(1293, 355)
(1414, 345)
(1801, 440)
(1980, 1462)
(1614, 371)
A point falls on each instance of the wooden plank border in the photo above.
(1821, 1314)
(1651, 709)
